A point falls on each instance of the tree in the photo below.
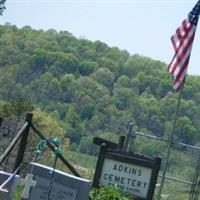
(148, 114)
(68, 87)
(40, 58)
(185, 131)
(73, 125)
(54, 91)
(110, 64)
(104, 76)
(92, 88)
(152, 148)
(87, 145)
(87, 67)
(2, 7)
(87, 107)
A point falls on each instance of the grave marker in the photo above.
(63, 186)
(3, 194)
(28, 182)
(8, 184)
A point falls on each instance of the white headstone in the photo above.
(28, 184)
(63, 186)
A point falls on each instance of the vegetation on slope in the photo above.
(91, 88)
(88, 89)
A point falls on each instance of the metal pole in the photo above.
(164, 140)
(132, 142)
(170, 145)
(194, 181)
(128, 137)
(198, 190)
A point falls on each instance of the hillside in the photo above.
(91, 88)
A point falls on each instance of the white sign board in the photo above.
(130, 178)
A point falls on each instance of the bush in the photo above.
(107, 193)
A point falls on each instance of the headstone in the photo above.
(63, 186)
(7, 185)
(28, 184)
(3, 194)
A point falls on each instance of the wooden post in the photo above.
(1, 119)
(23, 142)
(100, 161)
(99, 141)
(12, 144)
(52, 147)
(121, 142)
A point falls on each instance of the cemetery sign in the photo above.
(133, 174)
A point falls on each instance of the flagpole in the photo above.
(170, 144)
(182, 44)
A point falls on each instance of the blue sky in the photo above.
(142, 27)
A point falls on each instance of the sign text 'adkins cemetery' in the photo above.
(131, 173)
(129, 178)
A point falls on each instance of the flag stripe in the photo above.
(184, 51)
(178, 68)
(181, 73)
(178, 82)
(182, 42)
(174, 40)
(186, 46)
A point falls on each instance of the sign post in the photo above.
(133, 174)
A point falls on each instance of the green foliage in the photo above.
(152, 148)
(15, 107)
(107, 193)
(104, 76)
(87, 146)
(73, 125)
(17, 194)
(87, 67)
(91, 88)
(2, 7)
(186, 131)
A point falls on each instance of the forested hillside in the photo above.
(91, 88)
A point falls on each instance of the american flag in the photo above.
(182, 42)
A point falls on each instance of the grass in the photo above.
(17, 195)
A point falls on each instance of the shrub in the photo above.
(107, 193)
